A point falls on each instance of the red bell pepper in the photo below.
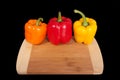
(59, 30)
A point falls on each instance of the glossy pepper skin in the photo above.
(35, 31)
(84, 29)
(59, 30)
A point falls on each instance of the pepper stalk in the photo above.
(85, 23)
(59, 17)
(38, 21)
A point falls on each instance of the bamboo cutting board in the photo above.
(70, 58)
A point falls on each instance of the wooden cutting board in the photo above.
(70, 58)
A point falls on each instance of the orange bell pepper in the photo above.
(35, 31)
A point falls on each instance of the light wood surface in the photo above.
(70, 58)
(23, 57)
(96, 57)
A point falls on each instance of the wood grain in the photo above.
(71, 58)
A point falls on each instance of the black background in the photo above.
(105, 13)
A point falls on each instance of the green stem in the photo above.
(85, 23)
(59, 17)
(38, 21)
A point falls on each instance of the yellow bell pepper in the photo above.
(84, 29)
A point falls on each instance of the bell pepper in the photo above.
(59, 30)
(84, 29)
(35, 31)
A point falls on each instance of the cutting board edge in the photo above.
(23, 57)
(96, 58)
